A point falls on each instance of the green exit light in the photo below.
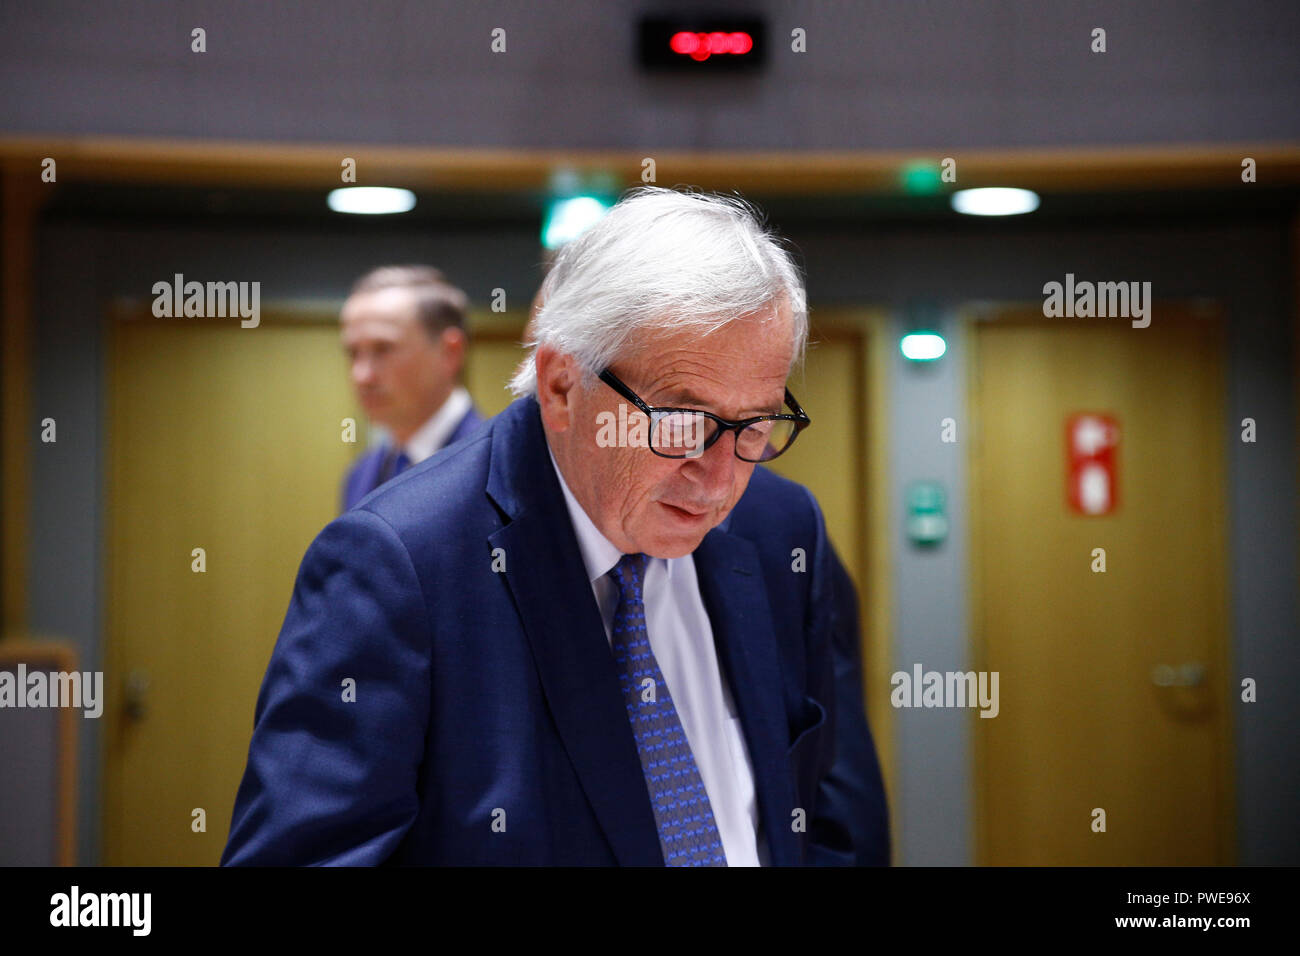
(927, 517)
(922, 178)
(568, 218)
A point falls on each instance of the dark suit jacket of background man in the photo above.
(491, 695)
(360, 480)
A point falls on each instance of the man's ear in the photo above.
(557, 382)
(453, 350)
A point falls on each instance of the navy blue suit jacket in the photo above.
(456, 598)
(363, 475)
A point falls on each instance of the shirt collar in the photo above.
(598, 554)
(434, 433)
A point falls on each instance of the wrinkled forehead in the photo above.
(740, 367)
(762, 338)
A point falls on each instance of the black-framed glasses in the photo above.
(690, 432)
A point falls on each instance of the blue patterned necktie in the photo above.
(688, 834)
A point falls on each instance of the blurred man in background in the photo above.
(403, 330)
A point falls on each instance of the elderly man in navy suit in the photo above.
(598, 631)
(403, 330)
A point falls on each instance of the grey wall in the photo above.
(934, 804)
(82, 267)
(29, 786)
(912, 74)
(66, 586)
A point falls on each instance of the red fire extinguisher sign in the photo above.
(1091, 440)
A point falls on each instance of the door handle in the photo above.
(136, 699)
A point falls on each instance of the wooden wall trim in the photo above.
(254, 164)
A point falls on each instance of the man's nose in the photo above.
(716, 468)
(363, 371)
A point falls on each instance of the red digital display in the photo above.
(701, 46)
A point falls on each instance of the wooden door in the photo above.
(1089, 719)
(827, 458)
(230, 440)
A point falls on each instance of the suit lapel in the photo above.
(548, 581)
(733, 590)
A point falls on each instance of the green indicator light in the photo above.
(922, 178)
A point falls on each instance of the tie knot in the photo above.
(629, 572)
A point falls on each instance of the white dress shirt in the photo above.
(681, 637)
(434, 433)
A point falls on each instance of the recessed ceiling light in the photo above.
(371, 200)
(994, 201)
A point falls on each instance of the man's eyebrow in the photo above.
(682, 396)
(685, 398)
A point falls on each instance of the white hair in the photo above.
(660, 259)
